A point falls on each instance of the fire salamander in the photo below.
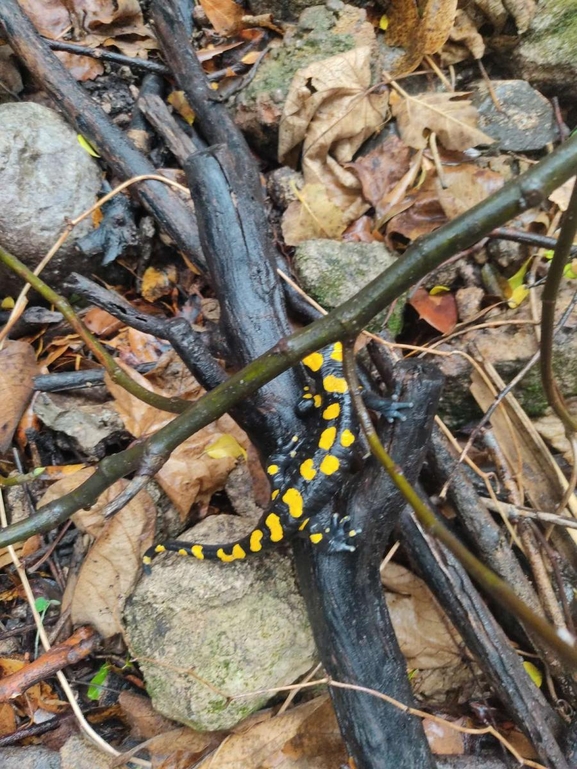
(303, 477)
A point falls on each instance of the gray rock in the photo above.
(29, 757)
(200, 629)
(46, 178)
(79, 753)
(525, 121)
(332, 272)
(90, 426)
(546, 54)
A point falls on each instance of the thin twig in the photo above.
(549, 300)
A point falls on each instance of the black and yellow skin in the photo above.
(303, 477)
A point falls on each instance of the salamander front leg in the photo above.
(391, 408)
(337, 537)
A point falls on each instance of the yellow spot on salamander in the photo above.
(304, 524)
(318, 401)
(327, 438)
(255, 540)
(307, 469)
(335, 384)
(307, 396)
(272, 469)
(160, 549)
(275, 494)
(329, 465)
(147, 560)
(225, 557)
(273, 524)
(238, 552)
(332, 411)
(337, 352)
(313, 361)
(183, 551)
(315, 538)
(347, 438)
(294, 501)
(196, 551)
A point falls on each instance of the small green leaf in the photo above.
(42, 604)
(534, 673)
(516, 280)
(85, 144)
(97, 681)
(520, 293)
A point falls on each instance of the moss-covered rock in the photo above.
(205, 631)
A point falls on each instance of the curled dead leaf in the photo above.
(332, 110)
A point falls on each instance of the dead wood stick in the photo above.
(77, 647)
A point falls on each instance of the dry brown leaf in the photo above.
(439, 310)
(18, 367)
(112, 565)
(442, 739)
(224, 15)
(144, 721)
(125, 15)
(419, 31)
(498, 11)
(436, 24)
(426, 637)
(331, 110)
(136, 347)
(101, 323)
(362, 231)
(419, 214)
(465, 40)
(189, 476)
(451, 116)
(314, 215)
(8, 724)
(305, 736)
(178, 748)
(81, 68)
(562, 194)
(50, 17)
(467, 185)
(381, 169)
